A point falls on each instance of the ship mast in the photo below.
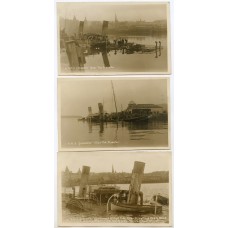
(114, 96)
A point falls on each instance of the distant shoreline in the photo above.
(113, 183)
(71, 117)
(73, 179)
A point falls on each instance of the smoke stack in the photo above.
(100, 106)
(104, 28)
(81, 28)
(84, 181)
(136, 180)
(90, 110)
(101, 110)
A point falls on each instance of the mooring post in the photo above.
(84, 181)
(136, 180)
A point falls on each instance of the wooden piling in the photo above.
(136, 180)
(84, 181)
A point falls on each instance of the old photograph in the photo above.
(114, 188)
(113, 38)
(113, 113)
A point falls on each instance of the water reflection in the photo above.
(75, 133)
(146, 125)
(131, 126)
(78, 55)
(75, 55)
(90, 126)
(105, 59)
(101, 128)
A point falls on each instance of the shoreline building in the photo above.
(134, 108)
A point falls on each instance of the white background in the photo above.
(27, 113)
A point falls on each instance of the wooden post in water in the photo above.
(84, 181)
(136, 179)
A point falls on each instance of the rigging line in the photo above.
(114, 96)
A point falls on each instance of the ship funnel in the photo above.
(136, 180)
(90, 110)
(101, 109)
(81, 28)
(104, 28)
(84, 181)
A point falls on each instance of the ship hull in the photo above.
(154, 209)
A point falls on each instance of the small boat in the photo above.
(122, 207)
(161, 199)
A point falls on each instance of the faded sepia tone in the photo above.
(114, 188)
(113, 38)
(113, 113)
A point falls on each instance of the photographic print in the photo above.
(114, 188)
(113, 38)
(113, 113)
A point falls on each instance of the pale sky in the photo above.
(106, 11)
(121, 161)
(77, 95)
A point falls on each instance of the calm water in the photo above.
(119, 62)
(83, 134)
(113, 217)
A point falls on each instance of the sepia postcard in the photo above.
(115, 188)
(123, 113)
(108, 38)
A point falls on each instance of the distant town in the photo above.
(116, 27)
(70, 179)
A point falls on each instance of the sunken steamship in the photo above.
(80, 45)
(133, 113)
(110, 197)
